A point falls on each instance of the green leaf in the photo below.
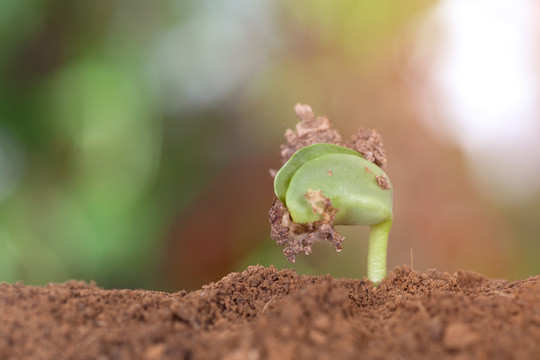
(349, 182)
(299, 158)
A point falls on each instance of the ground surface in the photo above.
(263, 313)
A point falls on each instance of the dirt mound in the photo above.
(263, 313)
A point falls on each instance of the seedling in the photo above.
(325, 176)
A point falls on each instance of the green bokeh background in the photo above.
(136, 138)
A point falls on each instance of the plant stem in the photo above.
(376, 260)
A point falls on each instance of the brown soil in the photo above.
(263, 313)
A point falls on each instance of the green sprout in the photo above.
(356, 187)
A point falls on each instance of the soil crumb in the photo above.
(382, 181)
(310, 130)
(368, 142)
(264, 313)
(299, 238)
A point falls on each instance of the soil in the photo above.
(264, 313)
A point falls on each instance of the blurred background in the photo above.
(136, 137)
